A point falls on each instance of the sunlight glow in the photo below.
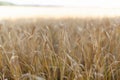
(74, 3)
(73, 8)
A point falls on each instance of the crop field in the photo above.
(60, 49)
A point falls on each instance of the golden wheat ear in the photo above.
(15, 66)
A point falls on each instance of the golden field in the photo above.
(60, 49)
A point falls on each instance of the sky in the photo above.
(73, 3)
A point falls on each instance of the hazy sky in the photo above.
(81, 3)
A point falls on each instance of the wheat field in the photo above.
(60, 49)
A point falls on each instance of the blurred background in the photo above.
(58, 8)
(64, 3)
